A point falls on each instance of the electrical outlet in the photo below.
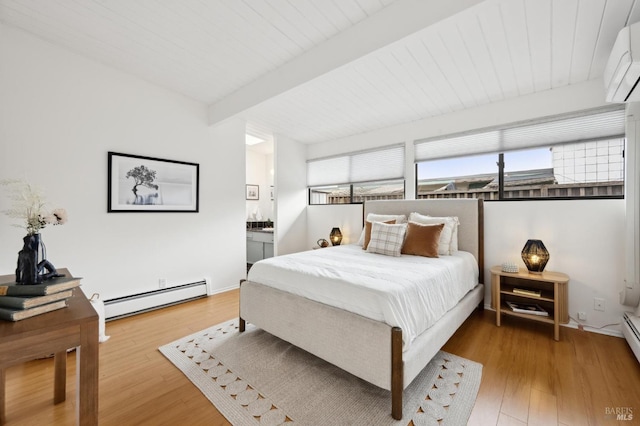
(598, 304)
(582, 316)
(162, 282)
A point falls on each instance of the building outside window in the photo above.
(589, 169)
(587, 161)
(357, 193)
(357, 177)
(580, 155)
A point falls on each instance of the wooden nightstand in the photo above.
(553, 289)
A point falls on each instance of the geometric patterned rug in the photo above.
(256, 378)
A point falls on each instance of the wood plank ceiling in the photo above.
(209, 50)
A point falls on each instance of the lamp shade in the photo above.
(535, 256)
(335, 236)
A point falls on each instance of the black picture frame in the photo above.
(140, 184)
(252, 192)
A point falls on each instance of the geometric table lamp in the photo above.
(535, 256)
(335, 236)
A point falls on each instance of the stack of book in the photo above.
(528, 308)
(19, 301)
(527, 292)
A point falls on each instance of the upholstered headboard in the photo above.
(469, 211)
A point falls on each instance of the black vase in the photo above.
(29, 258)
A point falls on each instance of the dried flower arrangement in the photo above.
(29, 205)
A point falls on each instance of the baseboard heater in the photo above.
(125, 306)
(631, 331)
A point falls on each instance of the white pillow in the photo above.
(454, 236)
(448, 243)
(374, 217)
(386, 239)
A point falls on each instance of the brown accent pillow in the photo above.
(367, 232)
(422, 240)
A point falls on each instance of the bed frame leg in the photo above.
(397, 373)
(242, 323)
(481, 306)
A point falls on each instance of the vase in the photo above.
(29, 258)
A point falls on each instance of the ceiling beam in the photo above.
(392, 23)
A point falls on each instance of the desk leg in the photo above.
(60, 377)
(87, 375)
(3, 418)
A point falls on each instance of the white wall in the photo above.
(291, 196)
(59, 115)
(259, 168)
(585, 237)
(322, 219)
(630, 294)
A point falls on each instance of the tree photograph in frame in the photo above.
(253, 192)
(147, 184)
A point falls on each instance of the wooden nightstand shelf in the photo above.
(553, 288)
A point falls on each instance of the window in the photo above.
(356, 177)
(570, 157)
(333, 194)
(357, 193)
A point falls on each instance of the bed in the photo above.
(372, 347)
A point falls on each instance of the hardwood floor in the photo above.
(527, 378)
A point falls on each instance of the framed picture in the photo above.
(253, 192)
(147, 184)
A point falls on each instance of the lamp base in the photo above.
(536, 272)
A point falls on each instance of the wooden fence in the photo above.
(575, 190)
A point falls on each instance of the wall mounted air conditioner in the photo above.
(622, 73)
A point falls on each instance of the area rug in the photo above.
(256, 378)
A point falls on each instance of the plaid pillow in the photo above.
(386, 239)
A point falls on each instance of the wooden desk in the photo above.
(53, 333)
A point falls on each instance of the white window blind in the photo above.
(589, 127)
(365, 166)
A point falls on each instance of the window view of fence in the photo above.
(575, 155)
(357, 193)
(376, 174)
(573, 170)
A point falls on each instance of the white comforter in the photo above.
(410, 292)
